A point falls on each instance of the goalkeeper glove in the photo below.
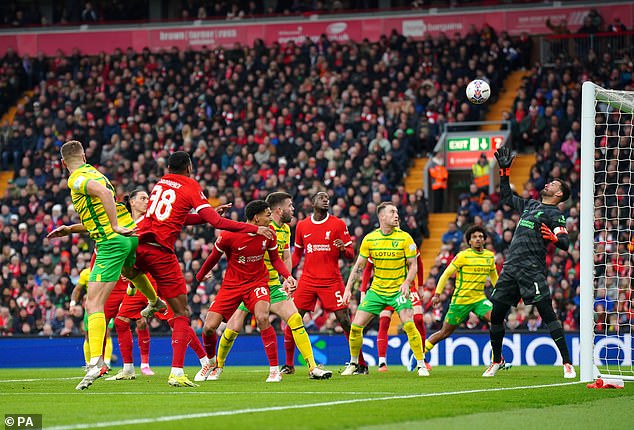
(630, 246)
(505, 158)
(548, 234)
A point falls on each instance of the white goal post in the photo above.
(605, 229)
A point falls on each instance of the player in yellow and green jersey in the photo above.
(473, 266)
(112, 228)
(82, 284)
(282, 209)
(393, 253)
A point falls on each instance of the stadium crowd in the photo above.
(16, 13)
(345, 118)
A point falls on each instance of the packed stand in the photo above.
(546, 122)
(18, 14)
(344, 118)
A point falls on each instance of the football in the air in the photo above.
(478, 91)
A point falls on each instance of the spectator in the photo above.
(69, 328)
(88, 14)
(58, 322)
(481, 172)
(453, 237)
(438, 175)
(617, 26)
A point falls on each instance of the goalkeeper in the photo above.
(523, 275)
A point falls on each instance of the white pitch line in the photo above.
(197, 393)
(169, 418)
(40, 379)
(262, 371)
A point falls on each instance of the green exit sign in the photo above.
(469, 144)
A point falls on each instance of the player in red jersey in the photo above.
(171, 201)
(247, 280)
(322, 239)
(385, 317)
(130, 310)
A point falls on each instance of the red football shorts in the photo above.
(331, 297)
(132, 306)
(229, 298)
(163, 266)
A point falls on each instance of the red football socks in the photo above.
(144, 344)
(381, 338)
(210, 342)
(269, 339)
(124, 337)
(181, 336)
(289, 346)
(419, 322)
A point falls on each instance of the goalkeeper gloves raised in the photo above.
(505, 158)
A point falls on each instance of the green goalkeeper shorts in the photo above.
(277, 294)
(374, 303)
(457, 314)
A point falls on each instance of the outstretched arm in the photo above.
(505, 158)
(212, 217)
(196, 219)
(65, 230)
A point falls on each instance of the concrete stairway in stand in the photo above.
(512, 83)
(438, 225)
(416, 175)
(7, 176)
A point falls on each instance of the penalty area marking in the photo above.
(169, 418)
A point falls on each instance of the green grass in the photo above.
(456, 397)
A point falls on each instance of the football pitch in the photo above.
(452, 398)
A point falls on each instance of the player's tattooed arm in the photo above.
(355, 275)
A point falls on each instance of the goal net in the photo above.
(607, 213)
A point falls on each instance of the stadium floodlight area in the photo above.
(606, 228)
